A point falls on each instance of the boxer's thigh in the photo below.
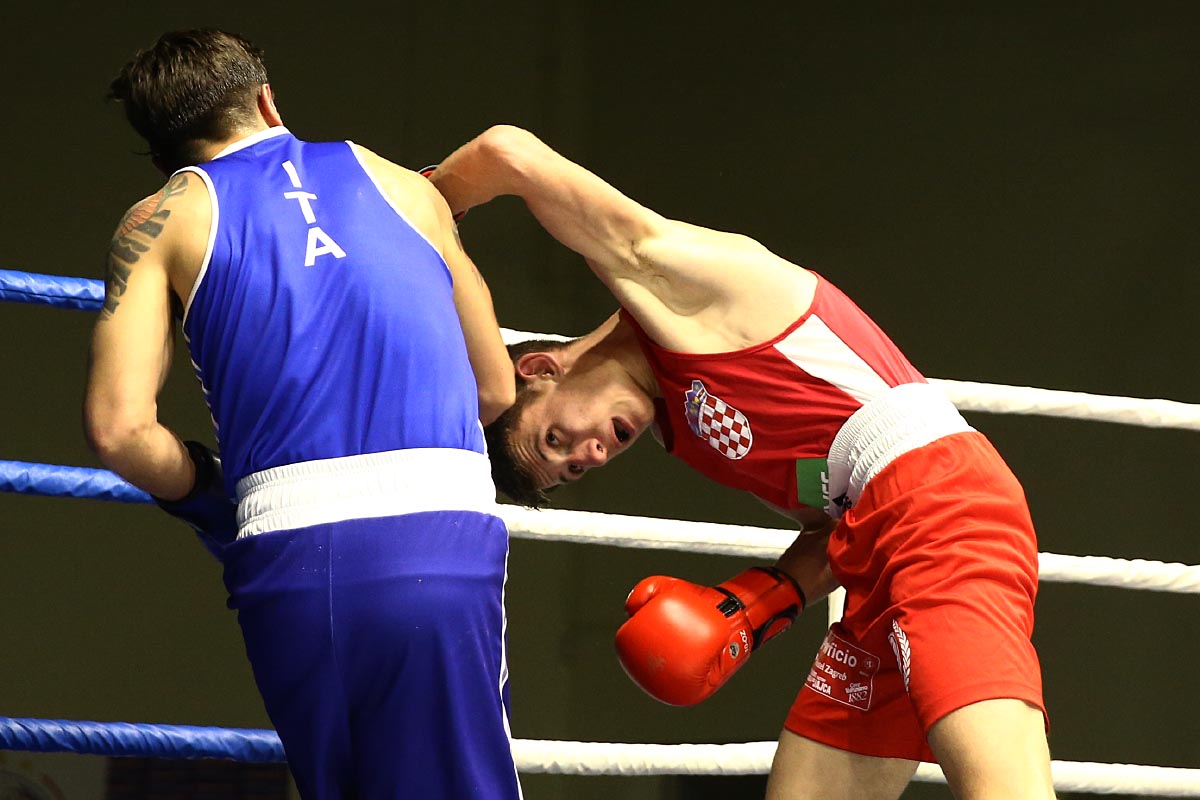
(994, 749)
(419, 632)
(807, 770)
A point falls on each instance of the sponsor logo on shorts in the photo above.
(843, 672)
(900, 646)
(721, 425)
(813, 489)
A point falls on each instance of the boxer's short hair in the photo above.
(190, 86)
(510, 477)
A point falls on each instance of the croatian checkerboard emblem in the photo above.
(717, 422)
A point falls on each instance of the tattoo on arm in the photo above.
(474, 269)
(137, 231)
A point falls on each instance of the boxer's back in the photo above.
(322, 324)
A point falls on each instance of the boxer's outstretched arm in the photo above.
(691, 288)
(573, 205)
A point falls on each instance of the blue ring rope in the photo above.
(104, 738)
(140, 739)
(52, 480)
(82, 294)
(47, 479)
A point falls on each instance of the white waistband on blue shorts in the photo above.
(901, 419)
(384, 484)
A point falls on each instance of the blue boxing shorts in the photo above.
(373, 617)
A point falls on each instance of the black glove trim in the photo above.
(781, 575)
(427, 173)
(206, 472)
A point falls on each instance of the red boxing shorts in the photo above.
(939, 562)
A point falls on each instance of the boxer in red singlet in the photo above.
(763, 376)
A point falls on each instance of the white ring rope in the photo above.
(593, 527)
(998, 399)
(754, 758)
(602, 758)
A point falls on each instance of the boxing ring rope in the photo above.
(597, 758)
(88, 295)
(618, 530)
(535, 756)
(590, 527)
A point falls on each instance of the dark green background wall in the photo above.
(1009, 190)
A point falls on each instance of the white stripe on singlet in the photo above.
(816, 349)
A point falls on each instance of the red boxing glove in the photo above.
(682, 641)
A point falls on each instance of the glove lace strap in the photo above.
(731, 604)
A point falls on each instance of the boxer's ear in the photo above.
(540, 366)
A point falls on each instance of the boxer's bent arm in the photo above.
(807, 561)
(131, 354)
(485, 346)
(426, 209)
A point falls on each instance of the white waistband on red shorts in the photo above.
(901, 419)
(364, 486)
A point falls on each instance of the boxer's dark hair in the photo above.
(189, 87)
(510, 477)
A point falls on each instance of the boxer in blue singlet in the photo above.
(347, 349)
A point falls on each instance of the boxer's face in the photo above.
(572, 426)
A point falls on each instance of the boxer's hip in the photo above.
(900, 420)
(374, 485)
